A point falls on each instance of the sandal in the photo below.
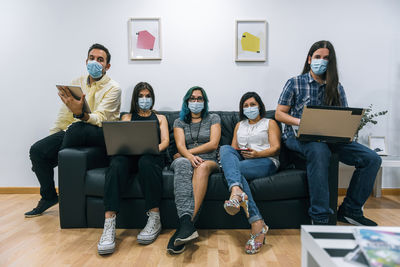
(256, 245)
(232, 206)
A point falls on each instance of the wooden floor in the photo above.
(40, 241)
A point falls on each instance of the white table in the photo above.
(387, 161)
(327, 245)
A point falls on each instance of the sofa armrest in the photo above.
(72, 166)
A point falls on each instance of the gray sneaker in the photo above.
(152, 229)
(106, 244)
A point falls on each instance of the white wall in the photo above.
(45, 42)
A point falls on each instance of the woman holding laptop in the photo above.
(318, 85)
(149, 169)
(253, 154)
(197, 134)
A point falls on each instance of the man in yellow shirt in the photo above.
(73, 127)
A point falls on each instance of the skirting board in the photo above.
(21, 190)
(385, 191)
(36, 190)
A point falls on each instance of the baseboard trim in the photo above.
(391, 191)
(342, 191)
(385, 191)
(21, 190)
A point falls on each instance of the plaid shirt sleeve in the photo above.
(342, 95)
(287, 95)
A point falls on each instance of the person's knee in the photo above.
(372, 159)
(35, 152)
(182, 162)
(205, 168)
(225, 149)
(75, 127)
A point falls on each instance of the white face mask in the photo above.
(319, 66)
(251, 112)
(94, 68)
(196, 107)
(145, 103)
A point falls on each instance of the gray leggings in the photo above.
(183, 186)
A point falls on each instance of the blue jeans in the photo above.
(367, 164)
(238, 170)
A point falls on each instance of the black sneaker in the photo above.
(342, 216)
(41, 207)
(171, 248)
(186, 232)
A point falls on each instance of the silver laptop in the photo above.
(131, 137)
(328, 124)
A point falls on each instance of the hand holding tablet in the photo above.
(74, 91)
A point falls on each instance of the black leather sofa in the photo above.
(282, 198)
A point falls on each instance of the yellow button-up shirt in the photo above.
(104, 100)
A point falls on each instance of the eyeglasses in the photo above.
(194, 99)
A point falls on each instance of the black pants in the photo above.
(119, 174)
(44, 153)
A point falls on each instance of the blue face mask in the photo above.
(196, 107)
(251, 112)
(94, 68)
(145, 103)
(319, 66)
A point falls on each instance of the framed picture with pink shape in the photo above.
(144, 38)
(251, 40)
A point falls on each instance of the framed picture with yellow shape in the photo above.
(251, 40)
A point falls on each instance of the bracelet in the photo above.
(80, 116)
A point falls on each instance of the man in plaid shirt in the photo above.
(319, 85)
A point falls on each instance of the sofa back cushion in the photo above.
(228, 123)
(229, 119)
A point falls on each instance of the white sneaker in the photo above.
(153, 228)
(106, 244)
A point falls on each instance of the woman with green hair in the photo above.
(197, 134)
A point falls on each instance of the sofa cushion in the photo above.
(229, 119)
(171, 117)
(287, 184)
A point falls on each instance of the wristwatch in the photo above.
(80, 116)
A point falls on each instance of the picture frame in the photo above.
(144, 39)
(250, 40)
(378, 144)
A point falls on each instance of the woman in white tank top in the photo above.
(253, 154)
